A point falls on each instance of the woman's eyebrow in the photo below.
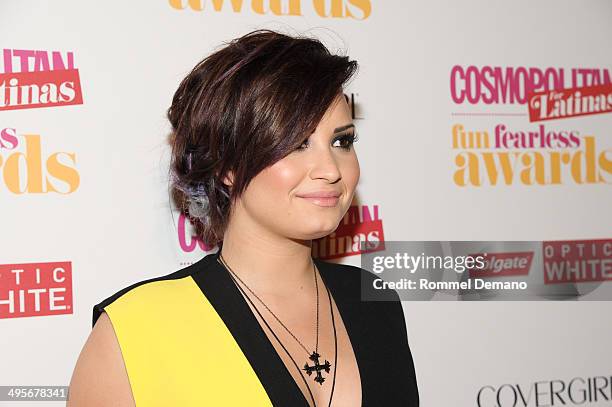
(342, 128)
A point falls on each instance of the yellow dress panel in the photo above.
(178, 351)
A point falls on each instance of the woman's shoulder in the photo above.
(147, 292)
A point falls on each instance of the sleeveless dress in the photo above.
(189, 338)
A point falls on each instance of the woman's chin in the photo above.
(320, 230)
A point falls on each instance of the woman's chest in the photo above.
(334, 373)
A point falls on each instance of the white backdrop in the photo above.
(117, 227)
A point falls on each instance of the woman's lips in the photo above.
(322, 201)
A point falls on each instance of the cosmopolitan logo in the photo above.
(27, 169)
(360, 228)
(38, 78)
(35, 289)
(578, 391)
(514, 85)
(504, 154)
(354, 9)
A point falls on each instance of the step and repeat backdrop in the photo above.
(478, 120)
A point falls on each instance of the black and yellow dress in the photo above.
(189, 338)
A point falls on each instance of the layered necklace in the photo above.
(317, 368)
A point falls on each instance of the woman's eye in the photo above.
(346, 141)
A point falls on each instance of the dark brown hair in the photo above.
(243, 108)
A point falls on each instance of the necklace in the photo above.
(314, 356)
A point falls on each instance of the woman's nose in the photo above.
(325, 165)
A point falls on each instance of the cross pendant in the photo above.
(317, 367)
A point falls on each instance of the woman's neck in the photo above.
(268, 264)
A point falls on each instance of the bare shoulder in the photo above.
(100, 377)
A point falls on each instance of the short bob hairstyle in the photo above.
(243, 108)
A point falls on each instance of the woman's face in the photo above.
(325, 163)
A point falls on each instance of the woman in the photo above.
(262, 163)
